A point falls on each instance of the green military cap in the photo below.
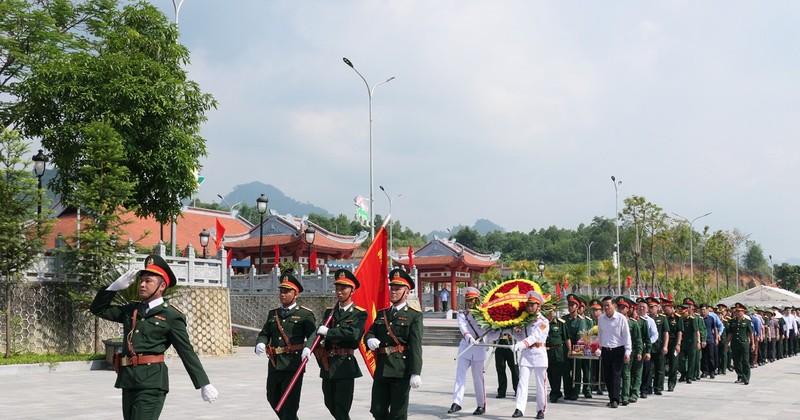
(345, 278)
(289, 281)
(400, 277)
(156, 265)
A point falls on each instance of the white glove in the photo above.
(322, 330)
(519, 346)
(125, 280)
(209, 393)
(415, 381)
(373, 343)
(306, 352)
(261, 349)
(471, 339)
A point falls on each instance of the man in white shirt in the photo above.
(615, 343)
(531, 342)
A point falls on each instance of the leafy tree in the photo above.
(92, 255)
(21, 229)
(788, 276)
(754, 257)
(129, 75)
(469, 238)
(644, 218)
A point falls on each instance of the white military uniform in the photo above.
(472, 358)
(533, 358)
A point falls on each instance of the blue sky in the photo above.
(515, 111)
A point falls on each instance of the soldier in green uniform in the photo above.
(637, 363)
(336, 356)
(283, 339)
(658, 350)
(396, 337)
(503, 357)
(625, 306)
(700, 327)
(740, 341)
(673, 344)
(149, 328)
(690, 344)
(781, 343)
(722, 349)
(574, 325)
(556, 352)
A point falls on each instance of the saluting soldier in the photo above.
(335, 356)
(396, 337)
(658, 350)
(150, 327)
(283, 340)
(741, 343)
(471, 356)
(673, 344)
(556, 352)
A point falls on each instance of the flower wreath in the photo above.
(502, 303)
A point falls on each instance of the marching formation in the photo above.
(643, 347)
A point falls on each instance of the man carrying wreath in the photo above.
(531, 341)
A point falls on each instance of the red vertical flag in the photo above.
(410, 257)
(373, 295)
(629, 282)
(558, 291)
(277, 251)
(566, 284)
(229, 257)
(220, 233)
(312, 260)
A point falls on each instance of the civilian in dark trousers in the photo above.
(505, 357)
(709, 359)
(615, 342)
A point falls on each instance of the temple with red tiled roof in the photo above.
(147, 232)
(288, 234)
(444, 263)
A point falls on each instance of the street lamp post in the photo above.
(204, 235)
(771, 269)
(589, 259)
(39, 166)
(309, 237)
(541, 268)
(691, 243)
(370, 91)
(261, 206)
(615, 257)
(391, 199)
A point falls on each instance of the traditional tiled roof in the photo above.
(146, 232)
(440, 253)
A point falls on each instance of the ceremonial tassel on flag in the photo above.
(277, 251)
(410, 257)
(220, 233)
(312, 261)
(373, 295)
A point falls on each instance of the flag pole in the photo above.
(302, 367)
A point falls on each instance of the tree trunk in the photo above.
(97, 334)
(9, 338)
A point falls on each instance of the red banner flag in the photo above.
(373, 295)
(229, 257)
(410, 257)
(277, 251)
(652, 294)
(641, 293)
(629, 282)
(312, 260)
(566, 284)
(220, 233)
(558, 291)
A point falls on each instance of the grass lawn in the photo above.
(29, 358)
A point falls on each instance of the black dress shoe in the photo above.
(688, 381)
(747, 382)
(624, 403)
(553, 400)
(478, 411)
(644, 395)
(613, 404)
(657, 392)
(540, 415)
(453, 408)
(571, 398)
(500, 396)
(711, 377)
(587, 394)
(517, 413)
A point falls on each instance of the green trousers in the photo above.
(576, 372)
(338, 397)
(390, 398)
(636, 378)
(698, 357)
(657, 369)
(741, 360)
(142, 404)
(688, 357)
(557, 371)
(277, 382)
(672, 363)
(722, 351)
(625, 386)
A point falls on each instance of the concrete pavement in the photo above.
(240, 378)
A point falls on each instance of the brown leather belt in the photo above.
(288, 349)
(391, 349)
(141, 359)
(537, 345)
(340, 352)
(555, 346)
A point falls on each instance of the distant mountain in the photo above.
(482, 226)
(278, 201)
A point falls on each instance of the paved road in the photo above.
(772, 394)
